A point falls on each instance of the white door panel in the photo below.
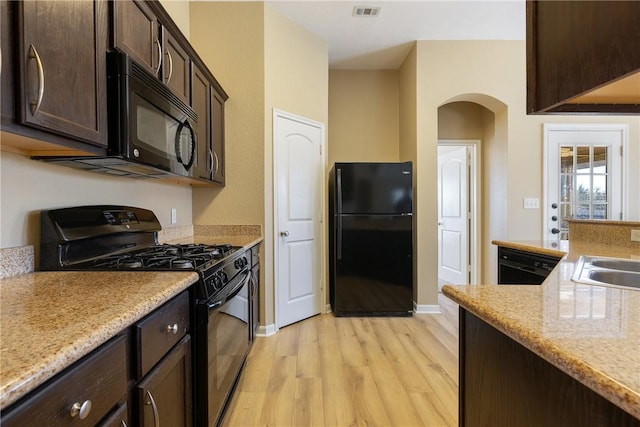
(453, 223)
(298, 175)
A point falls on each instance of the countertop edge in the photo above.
(80, 348)
(530, 248)
(605, 386)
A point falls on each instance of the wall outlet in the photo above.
(635, 235)
(531, 203)
(174, 216)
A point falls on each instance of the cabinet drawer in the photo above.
(160, 331)
(100, 378)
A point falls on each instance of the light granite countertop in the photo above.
(591, 333)
(49, 320)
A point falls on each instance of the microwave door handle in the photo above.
(183, 125)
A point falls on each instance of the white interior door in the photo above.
(583, 173)
(298, 174)
(453, 215)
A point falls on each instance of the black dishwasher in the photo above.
(517, 267)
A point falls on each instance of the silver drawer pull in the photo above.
(172, 329)
(81, 410)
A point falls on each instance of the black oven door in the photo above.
(221, 358)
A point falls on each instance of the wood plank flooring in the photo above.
(353, 371)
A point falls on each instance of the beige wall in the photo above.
(229, 38)
(460, 120)
(296, 81)
(407, 131)
(28, 186)
(492, 74)
(179, 12)
(263, 61)
(363, 116)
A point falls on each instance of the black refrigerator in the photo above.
(371, 239)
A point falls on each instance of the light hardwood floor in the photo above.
(353, 371)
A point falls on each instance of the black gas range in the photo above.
(122, 238)
(107, 237)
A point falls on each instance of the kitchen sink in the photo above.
(617, 272)
(617, 264)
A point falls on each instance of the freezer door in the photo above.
(373, 266)
(373, 188)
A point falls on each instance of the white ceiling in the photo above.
(384, 41)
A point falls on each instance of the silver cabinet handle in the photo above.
(172, 329)
(35, 105)
(215, 171)
(284, 233)
(210, 158)
(159, 55)
(170, 66)
(80, 410)
(154, 407)
(123, 423)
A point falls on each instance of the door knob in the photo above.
(284, 233)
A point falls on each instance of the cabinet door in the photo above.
(217, 135)
(135, 32)
(7, 42)
(164, 396)
(62, 67)
(119, 418)
(176, 67)
(201, 105)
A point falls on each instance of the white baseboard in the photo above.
(426, 308)
(266, 331)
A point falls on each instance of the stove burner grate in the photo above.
(166, 256)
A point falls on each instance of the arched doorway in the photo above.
(476, 117)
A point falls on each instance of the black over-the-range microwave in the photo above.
(152, 133)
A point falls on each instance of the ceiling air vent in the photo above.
(366, 11)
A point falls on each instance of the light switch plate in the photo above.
(531, 203)
(174, 216)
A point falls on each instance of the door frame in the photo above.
(474, 191)
(548, 128)
(277, 113)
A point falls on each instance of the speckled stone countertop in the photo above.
(592, 333)
(49, 320)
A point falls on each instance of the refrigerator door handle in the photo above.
(339, 213)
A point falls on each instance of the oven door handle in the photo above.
(216, 304)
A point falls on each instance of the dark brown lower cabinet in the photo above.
(119, 418)
(503, 383)
(164, 395)
(81, 396)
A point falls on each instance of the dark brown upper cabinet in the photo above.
(61, 70)
(139, 32)
(136, 32)
(208, 103)
(176, 67)
(583, 57)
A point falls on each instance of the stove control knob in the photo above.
(217, 282)
(224, 277)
